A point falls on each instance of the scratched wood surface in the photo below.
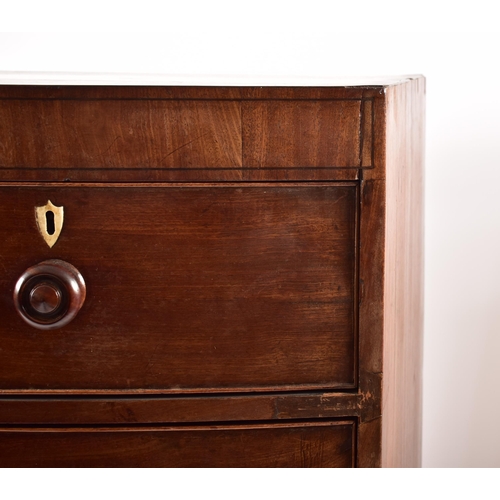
(321, 444)
(139, 408)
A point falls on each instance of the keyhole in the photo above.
(49, 217)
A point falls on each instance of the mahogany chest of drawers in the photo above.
(211, 276)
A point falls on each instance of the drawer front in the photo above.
(134, 139)
(189, 288)
(293, 445)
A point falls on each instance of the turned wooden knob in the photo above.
(50, 294)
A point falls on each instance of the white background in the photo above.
(456, 49)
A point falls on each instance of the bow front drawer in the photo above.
(320, 444)
(212, 287)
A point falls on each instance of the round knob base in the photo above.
(50, 294)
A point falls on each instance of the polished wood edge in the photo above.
(371, 276)
(356, 288)
(371, 296)
(366, 134)
(378, 140)
(163, 185)
(176, 391)
(165, 79)
(403, 292)
(391, 274)
(138, 92)
(207, 427)
(243, 168)
(63, 176)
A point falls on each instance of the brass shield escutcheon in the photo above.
(49, 220)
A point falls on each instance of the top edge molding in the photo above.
(163, 80)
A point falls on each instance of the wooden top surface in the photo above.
(144, 79)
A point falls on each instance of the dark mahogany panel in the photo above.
(119, 133)
(328, 444)
(311, 133)
(212, 287)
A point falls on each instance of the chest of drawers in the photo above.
(211, 276)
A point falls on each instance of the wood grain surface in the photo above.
(301, 133)
(137, 134)
(321, 444)
(213, 287)
(391, 278)
(403, 292)
(253, 260)
(180, 92)
(111, 134)
(184, 408)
